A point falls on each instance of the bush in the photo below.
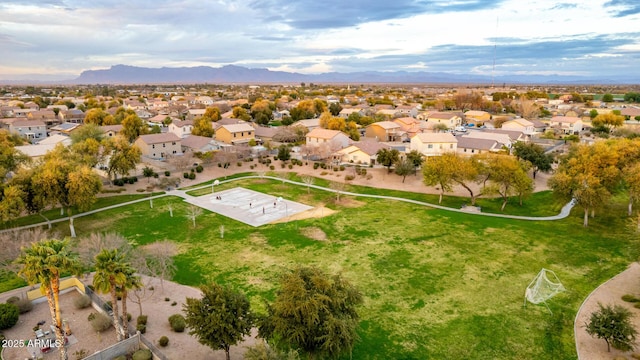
(91, 316)
(185, 175)
(129, 317)
(271, 167)
(82, 302)
(174, 303)
(9, 314)
(199, 168)
(142, 319)
(24, 305)
(342, 167)
(167, 299)
(349, 177)
(118, 182)
(142, 328)
(290, 166)
(142, 354)
(163, 341)
(192, 176)
(167, 173)
(131, 180)
(316, 166)
(239, 163)
(177, 322)
(12, 300)
(101, 322)
(630, 298)
(155, 175)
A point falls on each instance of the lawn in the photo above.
(437, 284)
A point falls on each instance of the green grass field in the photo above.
(436, 284)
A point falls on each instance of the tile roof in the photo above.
(323, 133)
(159, 138)
(238, 127)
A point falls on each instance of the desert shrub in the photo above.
(363, 172)
(82, 302)
(349, 177)
(199, 168)
(342, 167)
(316, 166)
(290, 166)
(91, 316)
(142, 328)
(155, 175)
(142, 354)
(12, 300)
(167, 299)
(192, 176)
(239, 163)
(272, 167)
(100, 322)
(9, 314)
(142, 319)
(140, 190)
(24, 305)
(131, 180)
(177, 322)
(163, 341)
(630, 298)
(80, 354)
(324, 173)
(167, 173)
(118, 182)
(129, 316)
(637, 305)
(251, 167)
(174, 303)
(185, 175)
(282, 165)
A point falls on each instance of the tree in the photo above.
(535, 155)
(212, 113)
(202, 127)
(262, 111)
(438, 171)
(111, 272)
(221, 318)
(157, 260)
(284, 153)
(404, 167)
(193, 212)
(593, 113)
(387, 157)
(313, 313)
(614, 326)
(43, 262)
(240, 113)
(507, 176)
(10, 158)
(59, 180)
(132, 127)
(308, 180)
(131, 282)
(124, 157)
(99, 117)
(416, 158)
(148, 172)
(631, 176)
(87, 131)
(335, 108)
(607, 98)
(608, 120)
(12, 203)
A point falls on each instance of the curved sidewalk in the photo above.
(564, 212)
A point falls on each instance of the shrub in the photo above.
(290, 166)
(163, 341)
(185, 175)
(167, 173)
(142, 319)
(24, 305)
(82, 302)
(12, 300)
(129, 317)
(630, 298)
(142, 328)
(155, 175)
(80, 354)
(324, 173)
(131, 180)
(174, 303)
(282, 165)
(251, 167)
(637, 305)
(142, 354)
(239, 163)
(349, 177)
(9, 314)
(272, 167)
(316, 166)
(192, 176)
(363, 172)
(177, 322)
(167, 299)
(91, 316)
(101, 322)
(118, 182)
(140, 190)
(342, 167)
(199, 168)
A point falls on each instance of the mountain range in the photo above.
(232, 74)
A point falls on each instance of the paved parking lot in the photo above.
(248, 206)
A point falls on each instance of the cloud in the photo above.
(564, 6)
(313, 14)
(621, 8)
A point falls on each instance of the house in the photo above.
(567, 124)
(319, 136)
(361, 152)
(383, 131)
(406, 110)
(235, 133)
(181, 128)
(72, 116)
(433, 144)
(111, 130)
(344, 113)
(65, 127)
(194, 143)
(451, 120)
(519, 124)
(470, 145)
(56, 139)
(410, 126)
(310, 124)
(503, 139)
(159, 146)
(29, 129)
(265, 133)
(195, 113)
(47, 116)
(476, 117)
(37, 151)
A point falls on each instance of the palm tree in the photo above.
(132, 281)
(43, 262)
(111, 271)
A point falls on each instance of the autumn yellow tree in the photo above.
(202, 127)
(507, 176)
(608, 120)
(438, 171)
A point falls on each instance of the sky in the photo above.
(62, 38)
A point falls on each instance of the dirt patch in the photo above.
(350, 202)
(314, 233)
(316, 212)
(258, 239)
